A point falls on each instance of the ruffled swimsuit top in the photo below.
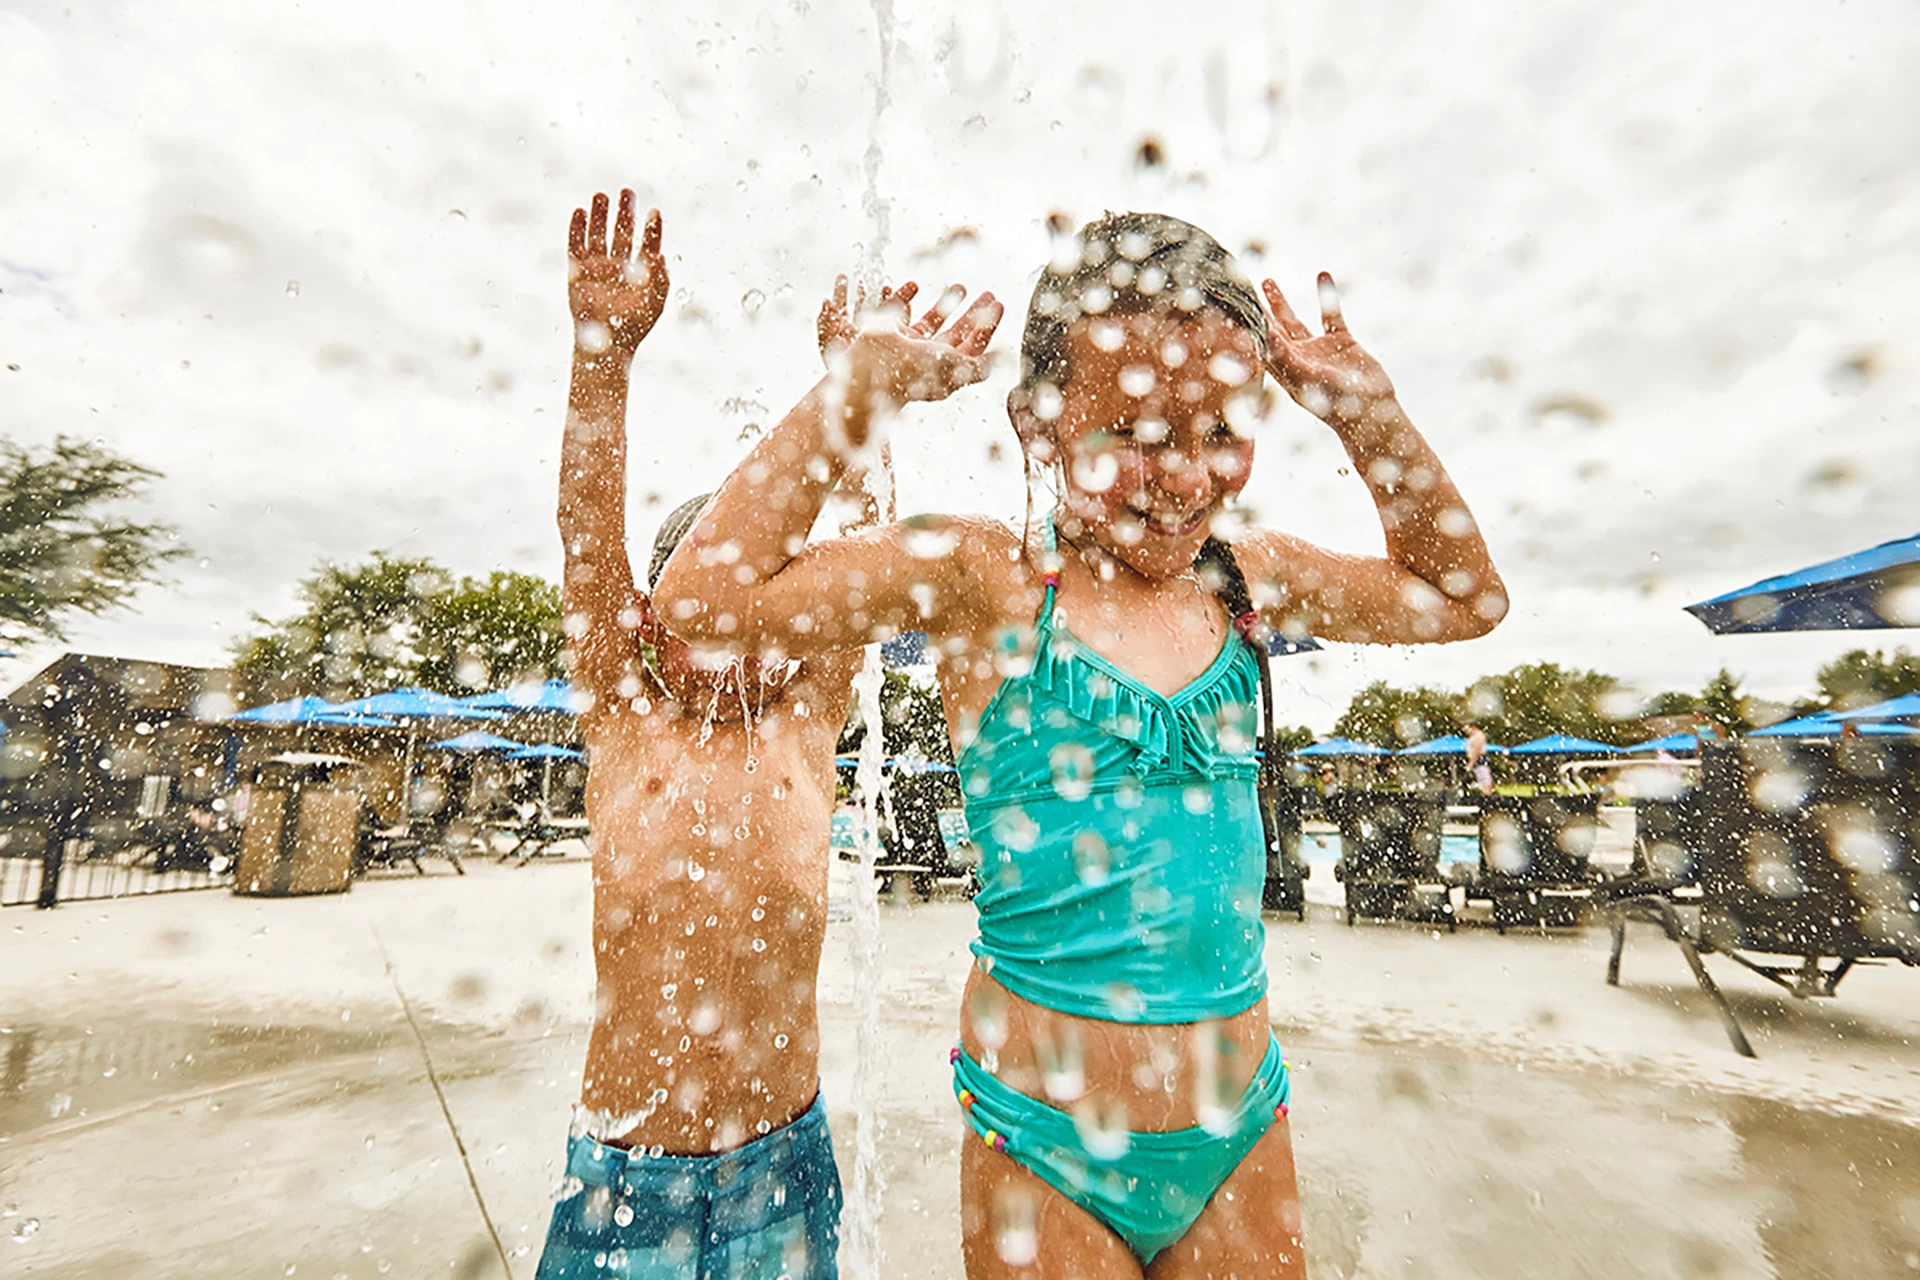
(1122, 854)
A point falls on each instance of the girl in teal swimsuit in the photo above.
(1115, 1057)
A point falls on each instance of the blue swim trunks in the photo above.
(767, 1211)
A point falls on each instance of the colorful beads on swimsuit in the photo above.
(995, 1139)
(953, 1055)
(1052, 580)
(1280, 1112)
(966, 1097)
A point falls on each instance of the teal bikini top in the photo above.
(1122, 856)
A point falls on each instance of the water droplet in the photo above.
(696, 872)
(293, 288)
(780, 1041)
(1094, 471)
(1071, 764)
(1016, 1230)
(1091, 859)
(759, 944)
(1138, 379)
(929, 543)
(1103, 1130)
(751, 301)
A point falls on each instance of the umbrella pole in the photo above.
(406, 782)
(546, 787)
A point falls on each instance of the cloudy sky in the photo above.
(1647, 274)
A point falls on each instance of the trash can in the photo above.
(298, 840)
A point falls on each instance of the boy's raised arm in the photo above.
(615, 299)
(744, 574)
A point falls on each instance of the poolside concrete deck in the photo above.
(201, 1085)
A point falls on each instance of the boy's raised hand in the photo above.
(615, 297)
(924, 359)
(1329, 374)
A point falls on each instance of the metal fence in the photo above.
(39, 869)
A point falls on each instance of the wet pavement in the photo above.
(210, 1086)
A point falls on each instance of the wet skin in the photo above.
(709, 906)
(1147, 457)
(710, 790)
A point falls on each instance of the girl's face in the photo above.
(1150, 429)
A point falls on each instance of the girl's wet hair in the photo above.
(1129, 263)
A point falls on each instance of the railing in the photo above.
(42, 867)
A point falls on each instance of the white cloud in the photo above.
(1675, 224)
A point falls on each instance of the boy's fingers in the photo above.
(623, 228)
(1289, 323)
(597, 225)
(1330, 316)
(650, 235)
(839, 299)
(577, 235)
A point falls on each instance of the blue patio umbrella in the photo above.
(546, 751)
(1342, 747)
(1825, 725)
(414, 703)
(1868, 590)
(1451, 745)
(478, 740)
(1904, 707)
(552, 695)
(1562, 744)
(312, 710)
(1671, 743)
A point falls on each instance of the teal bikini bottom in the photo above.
(1146, 1187)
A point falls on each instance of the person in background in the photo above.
(1477, 763)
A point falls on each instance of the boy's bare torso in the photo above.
(710, 888)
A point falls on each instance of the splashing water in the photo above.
(863, 1204)
(862, 1222)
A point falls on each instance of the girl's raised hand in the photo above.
(1329, 374)
(615, 297)
(925, 359)
(839, 325)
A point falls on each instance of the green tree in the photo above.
(1388, 716)
(397, 620)
(1720, 699)
(1292, 737)
(62, 549)
(915, 720)
(1861, 677)
(484, 634)
(1536, 699)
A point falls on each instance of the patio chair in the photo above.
(1806, 852)
(1534, 857)
(1390, 856)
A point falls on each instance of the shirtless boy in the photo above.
(704, 1148)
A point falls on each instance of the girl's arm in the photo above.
(745, 577)
(1437, 582)
(615, 300)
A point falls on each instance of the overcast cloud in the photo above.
(1647, 274)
